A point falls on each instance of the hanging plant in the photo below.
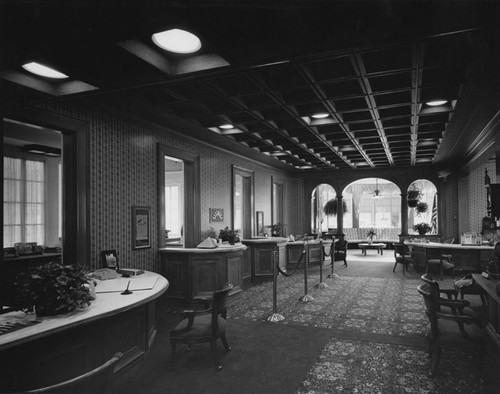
(422, 207)
(413, 198)
(331, 207)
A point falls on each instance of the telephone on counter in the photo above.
(105, 273)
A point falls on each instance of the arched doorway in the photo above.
(422, 206)
(320, 221)
(374, 203)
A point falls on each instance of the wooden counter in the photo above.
(61, 347)
(467, 258)
(261, 255)
(294, 251)
(197, 273)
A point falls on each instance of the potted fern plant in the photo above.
(53, 289)
(422, 228)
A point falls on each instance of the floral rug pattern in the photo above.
(367, 367)
(370, 307)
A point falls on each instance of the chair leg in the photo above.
(215, 355)
(395, 265)
(224, 341)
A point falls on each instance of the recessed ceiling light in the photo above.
(436, 103)
(226, 126)
(43, 71)
(320, 115)
(177, 41)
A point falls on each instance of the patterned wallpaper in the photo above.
(123, 173)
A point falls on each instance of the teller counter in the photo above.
(196, 273)
(467, 258)
(261, 255)
(51, 349)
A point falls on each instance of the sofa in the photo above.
(386, 235)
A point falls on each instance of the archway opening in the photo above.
(422, 207)
(321, 221)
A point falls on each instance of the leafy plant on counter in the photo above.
(53, 289)
(422, 228)
(229, 235)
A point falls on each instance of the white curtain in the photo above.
(23, 201)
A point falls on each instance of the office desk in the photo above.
(467, 258)
(489, 286)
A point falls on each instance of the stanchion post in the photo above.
(306, 297)
(332, 260)
(321, 284)
(275, 316)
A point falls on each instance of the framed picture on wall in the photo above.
(141, 227)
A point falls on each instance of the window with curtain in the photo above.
(173, 215)
(24, 198)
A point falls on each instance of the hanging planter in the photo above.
(422, 207)
(413, 198)
(331, 207)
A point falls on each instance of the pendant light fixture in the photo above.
(377, 194)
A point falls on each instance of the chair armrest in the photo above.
(449, 293)
(453, 303)
(186, 314)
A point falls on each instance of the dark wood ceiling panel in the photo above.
(371, 69)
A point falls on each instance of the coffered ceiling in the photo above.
(266, 67)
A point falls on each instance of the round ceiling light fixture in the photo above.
(43, 71)
(436, 103)
(177, 41)
(226, 126)
(320, 115)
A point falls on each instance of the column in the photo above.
(340, 216)
(404, 214)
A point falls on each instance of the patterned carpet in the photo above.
(374, 305)
(378, 335)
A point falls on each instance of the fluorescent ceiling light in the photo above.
(436, 103)
(43, 71)
(320, 115)
(226, 126)
(177, 41)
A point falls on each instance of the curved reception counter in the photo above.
(47, 350)
(196, 273)
(467, 258)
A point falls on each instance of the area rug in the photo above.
(366, 305)
(365, 367)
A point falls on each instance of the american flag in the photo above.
(434, 217)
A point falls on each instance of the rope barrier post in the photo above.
(306, 297)
(275, 316)
(321, 284)
(332, 260)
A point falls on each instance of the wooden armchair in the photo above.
(402, 255)
(205, 325)
(448, 330)
(340, 253)
(99, 380)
